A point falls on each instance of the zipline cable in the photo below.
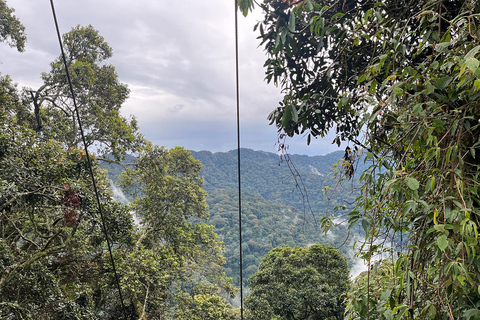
(238, 160)
(92, 176)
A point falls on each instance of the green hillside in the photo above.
(265, 175)
(266, 224)
(275, 211)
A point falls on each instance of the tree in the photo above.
(299, 283)
(174, 243)
(53, 258)
(98, 92)
(12, 30)
(204, 304)
(53, 262)
(407, 74)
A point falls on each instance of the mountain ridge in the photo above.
(280, 205)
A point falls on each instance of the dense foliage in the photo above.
(401, 80)
(12, 30)
(99, 96)
(280, 180)
(274, 213)
(54, 262)
(275, 210)
(299, 283)
(266, 225)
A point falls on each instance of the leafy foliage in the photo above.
(266, 225)
(407, 72)
(53, 258)
(52, 247)
(12, 30)
(265, 174)
(169, 247)
(204, 304)
(274, 212)
(98, 93)
(299, 283)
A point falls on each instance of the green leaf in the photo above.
(472, 64)
(442, 46)
(461, 279)
(373, 87)
(443, 82)
(472, 314)
(310, 5)
(336, 15)
(448, 155)
(392, 303)
(412, 183)
(283, 35)
(472, 52)
(398, 91)
(429, 312)
(430, 88)
(287, 115)
(362, 78)
(291, 22)
(367, 224)
(417, 109)
(294, 112)
(442, 242)
(477, 84)
(343, 102)
(245, 6)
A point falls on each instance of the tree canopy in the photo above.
(400, 80)
(98, 93)
(299, 283)
(53, 258)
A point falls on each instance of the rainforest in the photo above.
(99, 222)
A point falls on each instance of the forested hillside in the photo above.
(266, 175)
(275, 211)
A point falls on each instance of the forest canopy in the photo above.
(398, 81)
(54, 262)
(299, 283)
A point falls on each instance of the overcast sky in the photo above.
(177, 58)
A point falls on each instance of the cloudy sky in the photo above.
(177, 58)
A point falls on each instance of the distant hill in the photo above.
(274, 210)
(264, 175)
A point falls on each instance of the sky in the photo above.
(178, 59)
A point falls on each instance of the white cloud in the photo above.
(171, 54)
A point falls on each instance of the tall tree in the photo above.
(299, 283)
(53, 262)
(204, 304)
(98, 92)
(407, 74)
(174, 242)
